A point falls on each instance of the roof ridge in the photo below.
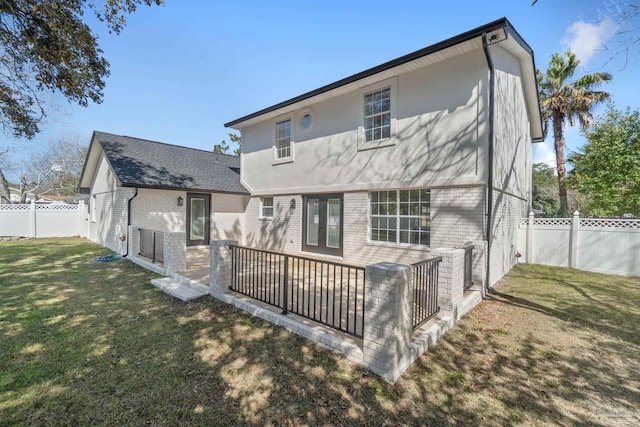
(172, 145)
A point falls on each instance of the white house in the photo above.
(160, 187)
(432, 149)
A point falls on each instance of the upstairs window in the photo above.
(283, 139)
(266, 207)
(377, 114)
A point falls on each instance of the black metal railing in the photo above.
(425, 291)
(152, 245)
(326, 292)
(468, 266)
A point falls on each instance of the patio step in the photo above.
(185, 290)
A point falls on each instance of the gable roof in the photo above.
(498, 31)
(150, 164)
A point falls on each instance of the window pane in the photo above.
(404, 195)
(391, 237)
(404, 208)
(313, 221)
(414, 209)
(196, 231)
(377, 134)
(375, 235)
(404, 237)
(375, 196)
(386, 132)
(392, 208)
(383, 209)
(369, 135)
(333, 223)
(392, 223)
(414, 195)
(404, 223)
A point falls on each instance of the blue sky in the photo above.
(180, 71)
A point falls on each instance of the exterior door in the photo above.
(198, 214)
(322, 224)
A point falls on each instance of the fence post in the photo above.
(451, 280)
(387, 319)
(32, 213)
(529, 249)
(81, 208)
(573, 240)
(174, 251)
(220, 266)
(285, 299)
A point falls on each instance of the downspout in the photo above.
(129, 219)
(492, 85)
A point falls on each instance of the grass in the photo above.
(88, 343)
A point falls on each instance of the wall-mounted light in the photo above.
(292, 205)
(180, 201)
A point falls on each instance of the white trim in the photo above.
(261, 212)
(392, 84)
(305, 111)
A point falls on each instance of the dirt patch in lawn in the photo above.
(90, 343)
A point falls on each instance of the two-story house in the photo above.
(432, 149)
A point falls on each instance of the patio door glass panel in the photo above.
(313, 221)
(198, 210)
(197, 219)
(333, 223)
(322, 232)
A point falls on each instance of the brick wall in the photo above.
(283, 232)
(158, 210)
(111, 218)
(227, 216)
(507, 210)
(457, 218)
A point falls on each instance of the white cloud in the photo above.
(585, 39)
(543, 153)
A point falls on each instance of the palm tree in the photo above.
(562, 100)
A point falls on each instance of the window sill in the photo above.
(282, 161)
(265, 218)
(399, 246)
(372, 145)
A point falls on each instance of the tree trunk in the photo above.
(5, 195)
(558, 139)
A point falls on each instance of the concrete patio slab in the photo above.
(181, 288)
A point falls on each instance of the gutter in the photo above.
(492, 86)
(129, 220)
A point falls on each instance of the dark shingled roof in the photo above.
(150, 164)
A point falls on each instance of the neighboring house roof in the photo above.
(499, 31)
(150, 164)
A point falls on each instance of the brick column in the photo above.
(387, 319)
(451, 280)
(133, 241)
(175, 252)
(220, 266)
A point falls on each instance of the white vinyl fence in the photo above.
(594, 244)
(33, 220)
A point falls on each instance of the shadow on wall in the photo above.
(231, 233)
(273, 234)
(442, 143)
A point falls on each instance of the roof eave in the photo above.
(460, 38)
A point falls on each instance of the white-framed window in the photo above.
(283, 139)
(401, 216)
(378, 112)
(266, 207)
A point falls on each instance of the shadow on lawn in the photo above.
(95, 343)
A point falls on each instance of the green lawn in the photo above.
(89, 343)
